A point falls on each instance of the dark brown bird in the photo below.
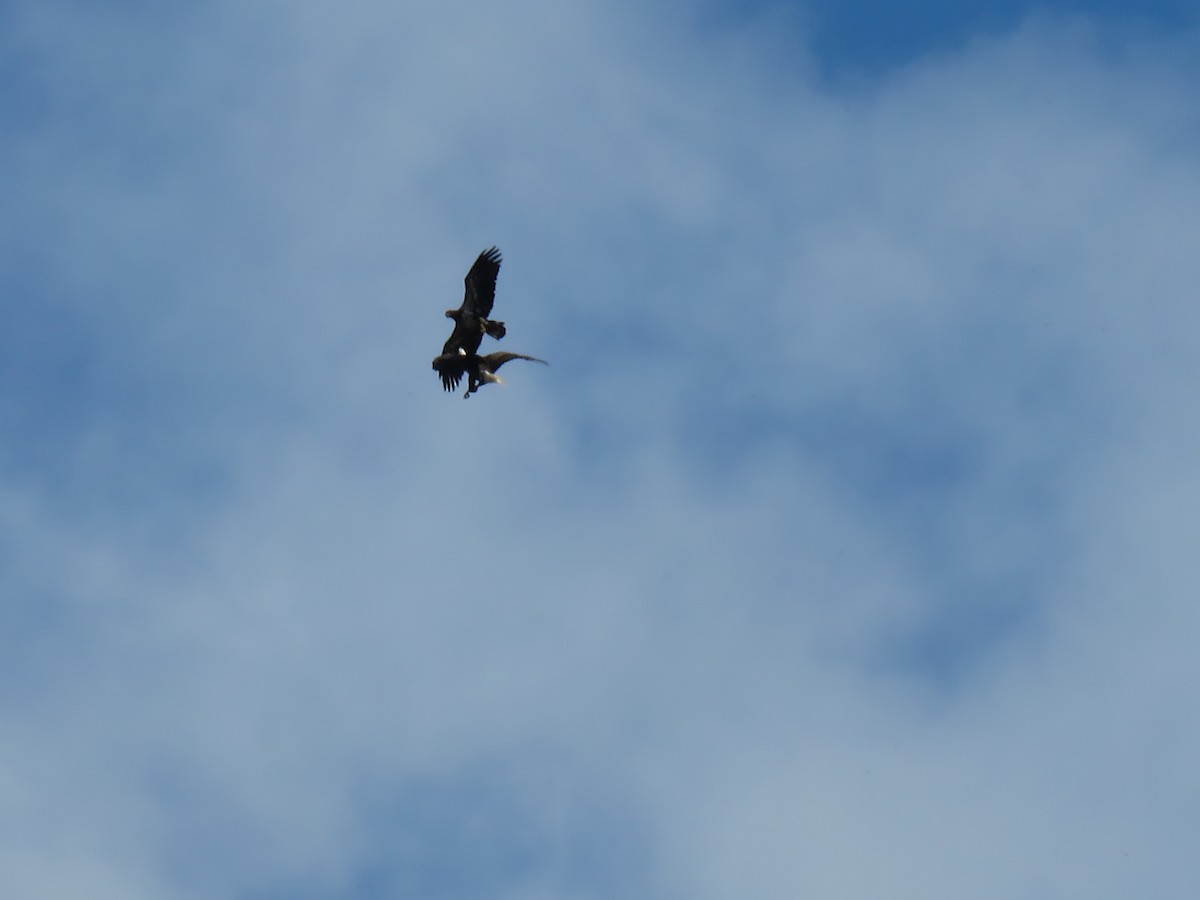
(471, 320)
(480, 370)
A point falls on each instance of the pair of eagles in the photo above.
(460, 355)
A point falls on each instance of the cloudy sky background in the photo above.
(847, 548)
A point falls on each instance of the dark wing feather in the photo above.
(493, 361)
(481, 285)
(451, 367)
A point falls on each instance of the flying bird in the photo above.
(460, 354)
(471, 320)
(480, 370)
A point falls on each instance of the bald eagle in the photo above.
(471, 320)
(480, 370)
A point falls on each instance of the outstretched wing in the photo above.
(493, 361)
(481, 285)
(451, 367)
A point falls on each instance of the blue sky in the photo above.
(876, 36)
(845, 549)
